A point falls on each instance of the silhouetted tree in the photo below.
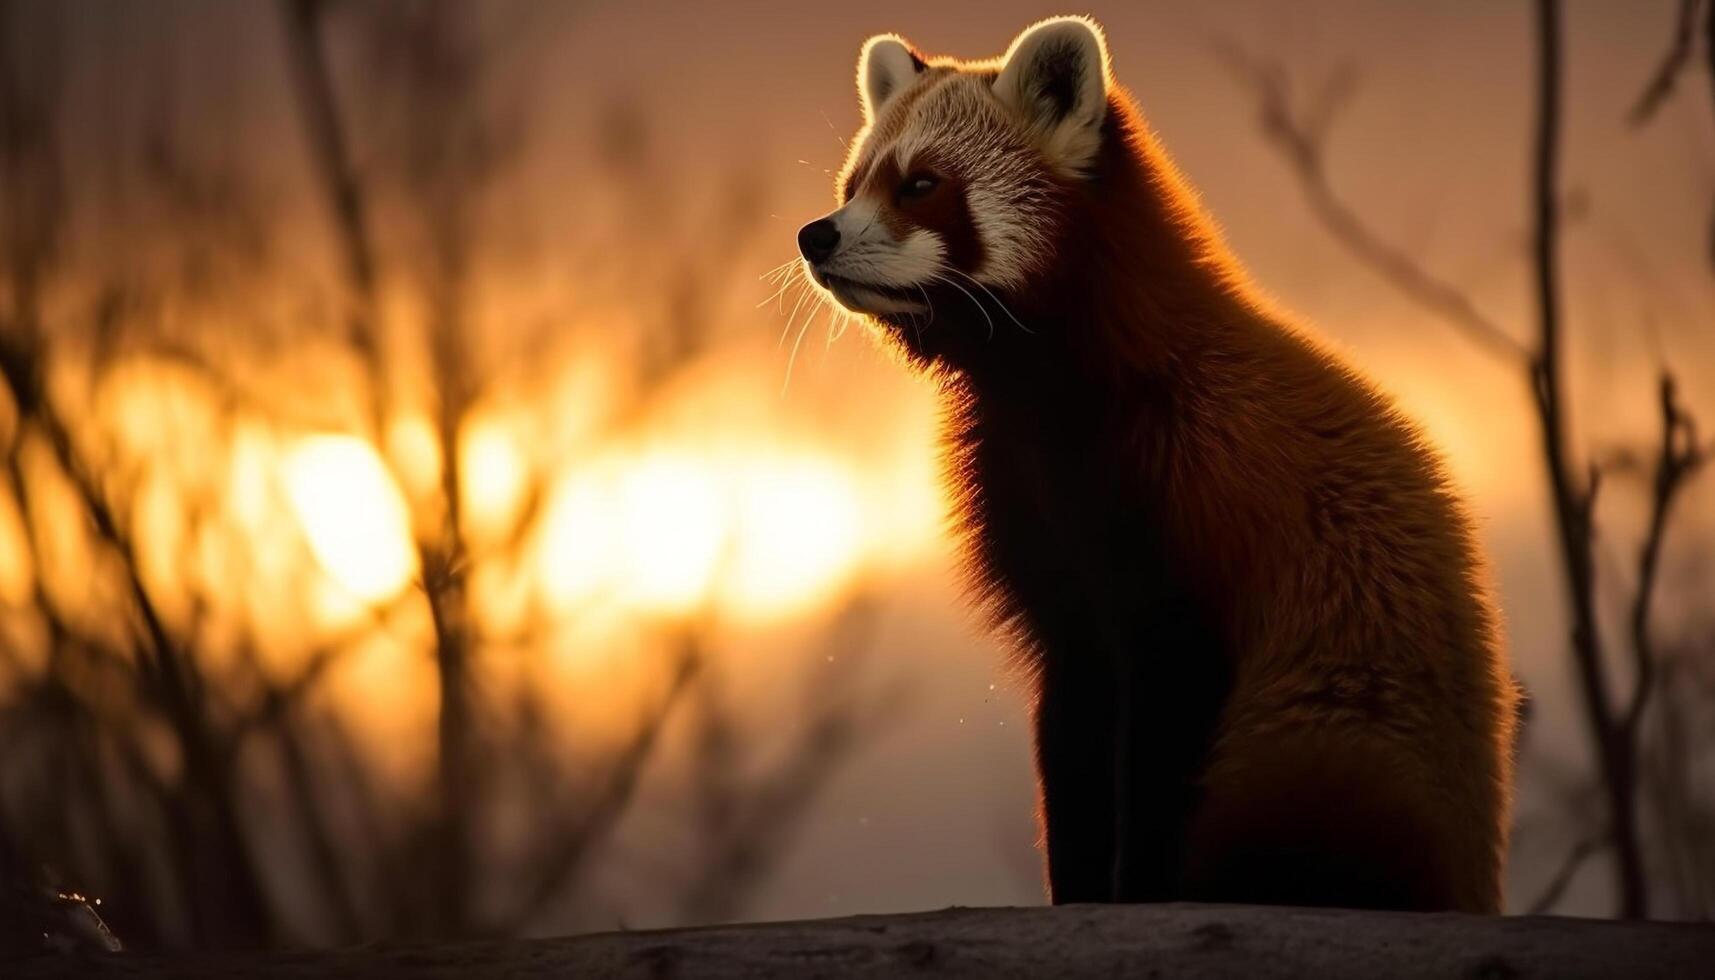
(151, 753)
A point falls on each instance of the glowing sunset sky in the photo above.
(825, 482)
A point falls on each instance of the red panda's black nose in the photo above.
(818, 239)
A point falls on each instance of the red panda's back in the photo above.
(1370, 719)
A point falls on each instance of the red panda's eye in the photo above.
(917, 185)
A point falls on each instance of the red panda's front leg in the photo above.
(1123, 731)
(1074, 739)
(1169, 698)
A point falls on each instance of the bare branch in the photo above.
(329, 144)
(1672, 63)
(1573, 505)
(746, 822)
(329, 867)
(554, 871)
(1581, 852)
(1678, 459)
(1300, 134)
(1709, 61)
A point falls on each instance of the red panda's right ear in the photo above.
(887, 66)
(1055, 78)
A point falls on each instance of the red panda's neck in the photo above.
(1157, 281)
(1143, 285)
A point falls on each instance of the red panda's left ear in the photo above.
(1056, 78)
(887, 66)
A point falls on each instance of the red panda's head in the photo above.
(953, 192)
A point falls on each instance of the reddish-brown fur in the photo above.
(1266, 663)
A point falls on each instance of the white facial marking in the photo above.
(870, 301)
(869, 252)
(870, 263)
(1005, 190)
(1005, 129)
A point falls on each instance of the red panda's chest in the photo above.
(1068, 538)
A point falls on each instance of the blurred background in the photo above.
(420, 516)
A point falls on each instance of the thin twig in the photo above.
(1678, 459)
(1573, 505)
(1672, 63)
(1569, 866)
(552, 872)
(1299, 133)
(331, 148)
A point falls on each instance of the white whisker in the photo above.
(973, 299)
(777, 269)
(837, 137)
(917, 323)
(774, 274)
(793, 357)
(928, 302)
(828, 344)
(780, 294)
(847, 318)
(990, 293)
(803, 294)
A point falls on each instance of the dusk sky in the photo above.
(936, 807)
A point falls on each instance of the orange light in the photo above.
(352, 514)
(492, 477)
(17, 576)
(577, 542)
(673, 524)
(796, 537)
(758, 534)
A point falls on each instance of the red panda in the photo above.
(1265, 663)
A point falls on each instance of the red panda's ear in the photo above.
(1056, 78)
(887, 66)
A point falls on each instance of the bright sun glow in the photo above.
(352, 513)
(15, 571)
(754, 530)
(578, 541)
(672, 522)
(492, 475)
(763, 534)
(796, 536)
